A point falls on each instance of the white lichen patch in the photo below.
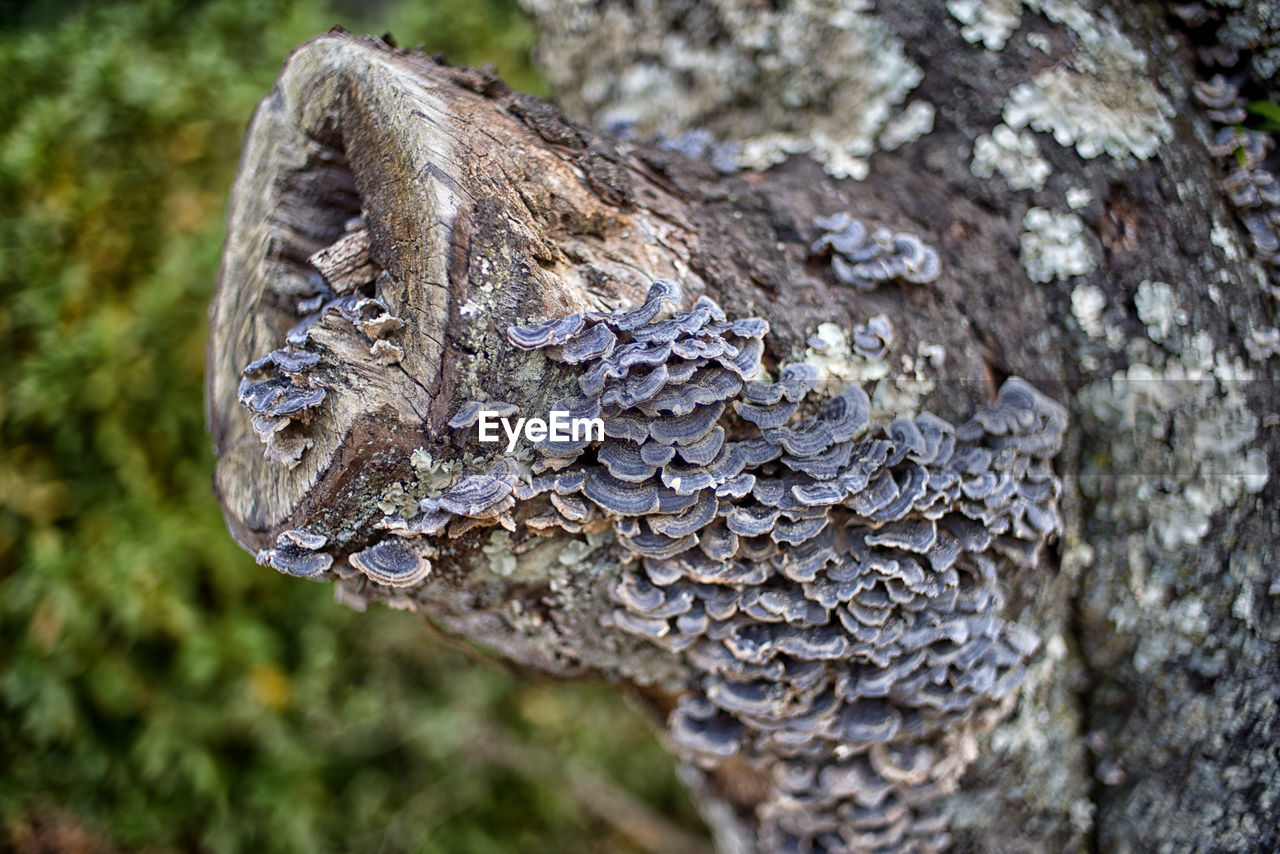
(1262, 344)
(988, 21)
(1054, 246)
(1078, 197)
(498, 550)
(831, 352)
(810, 76)
(1100, 100)
(1176, 445)
(898, 385)
(903, 392)
(1014, 154)
(1087, 304)
(908, 126)
(1224, 238)
(1190, 627)
(1158, 309)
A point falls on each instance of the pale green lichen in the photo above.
(397, 500)
(1039, 41)
(1078, 197)
(902, 393)
(1225, 238)
(1087, 304)
(899, 384)
(1187, 626)
(1175, 450)
(1054, 246)
(1158, 309)
(908, 126)
(1014, 155)
(835, 360)
(1101, 99)
(988, 21)
(498, 550)
(810, 76)
(433, 477)
(575, 551)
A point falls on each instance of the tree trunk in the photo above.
(393, 218)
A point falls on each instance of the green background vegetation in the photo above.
(158, 690)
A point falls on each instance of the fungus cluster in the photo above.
(297, 553)
(1249, 187)
(864, 259)
(829, 585)
(279, 389)
(832, 584)
(280, 395)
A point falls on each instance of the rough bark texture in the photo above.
(1109, 270)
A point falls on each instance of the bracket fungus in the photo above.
(864, 259)
(826, 586)
(1248, 184)
(831, 583)
(805, 581)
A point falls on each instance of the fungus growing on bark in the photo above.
(864, 260)
(808, 565)
(1249, 186)
(393, 563)
(828, 584)
(297, 552)
(279, 394)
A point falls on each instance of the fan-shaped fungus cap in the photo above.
(596, 342)
(475, 494)
(547, 333)
(297, 560)
(685, 429)
(689, 521)
(623, 461)
(392, 563)
(288, 361)
(619, 498)
(279, 397)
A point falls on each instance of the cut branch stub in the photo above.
(355, 129)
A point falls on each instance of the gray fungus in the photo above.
(864, 259)
(831, 584)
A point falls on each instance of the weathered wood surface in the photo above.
(484, 208)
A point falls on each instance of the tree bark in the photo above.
(1148, 717)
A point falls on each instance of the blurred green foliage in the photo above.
(159, 691)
